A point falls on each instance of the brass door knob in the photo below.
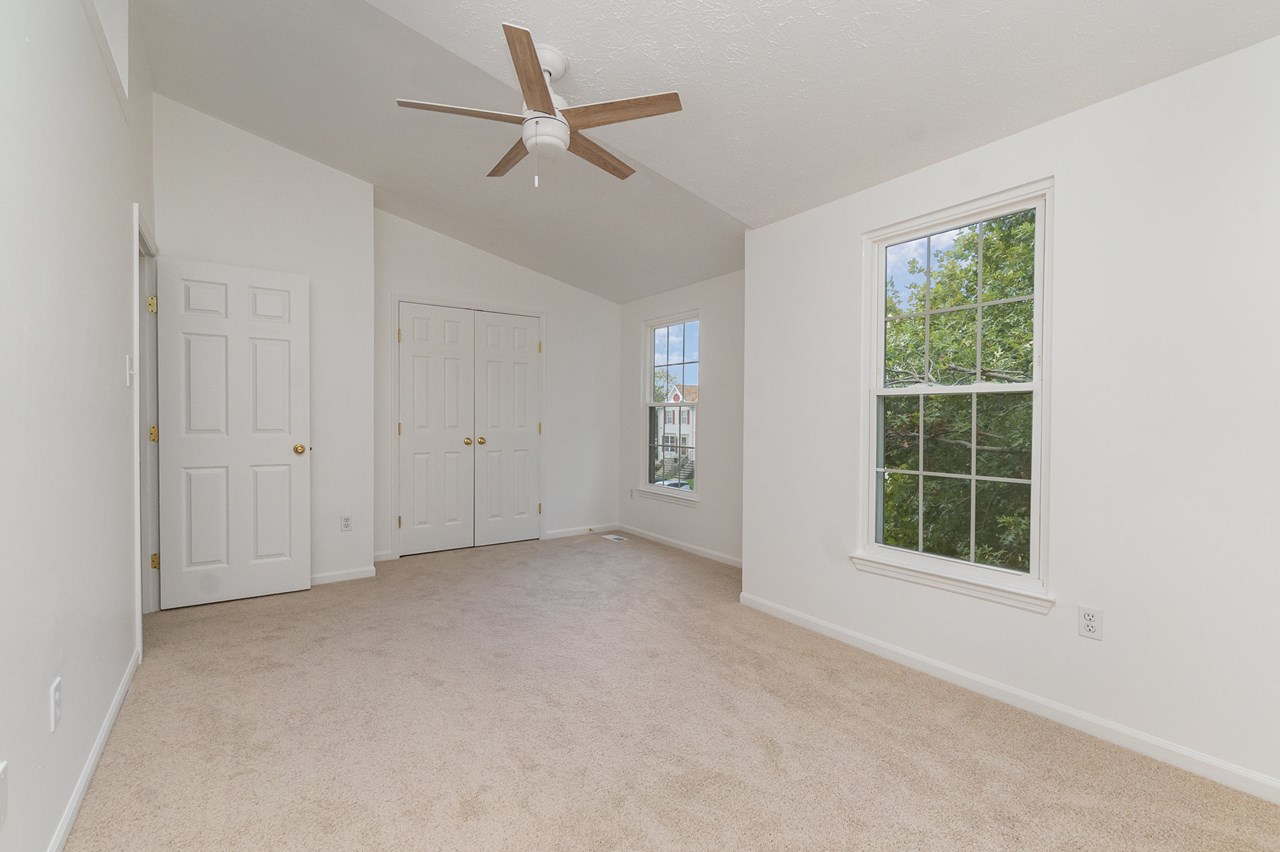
(479, 440)
(299, 449)
(466, 441)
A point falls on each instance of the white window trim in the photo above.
(1025, 591)
(643, 487)
(668, 495)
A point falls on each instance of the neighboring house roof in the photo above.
(683, 393)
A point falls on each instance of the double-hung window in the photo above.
(672, 391)
(957, 398)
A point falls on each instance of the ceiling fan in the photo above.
(550, 125)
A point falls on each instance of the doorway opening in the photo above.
(146, 415)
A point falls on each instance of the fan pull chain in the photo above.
(535, 153)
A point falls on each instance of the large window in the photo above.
(673, 404)
(957, 396)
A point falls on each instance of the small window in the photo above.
(673, 402)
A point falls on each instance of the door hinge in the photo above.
(399, 428)
(539, 427)
(151, 304)
(539, 345)
(397, 335)
(154, 434)
(399, 518)
(155, 561)
(539, 508)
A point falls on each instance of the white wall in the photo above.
(225, 196)
(113, 27)
(140, 129)
(713, 525)
(67, 572)
(580, 368)
(1163, 419)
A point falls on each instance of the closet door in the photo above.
(437, 409)
(508, 388)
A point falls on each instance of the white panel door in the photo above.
(437, 456)
(235, 422)
(508, 415)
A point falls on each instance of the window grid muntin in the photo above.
(929, 312)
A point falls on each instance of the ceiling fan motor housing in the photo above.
(546, 135)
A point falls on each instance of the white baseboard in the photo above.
(735, 561)
(95, 754)
(340, 576)
(1232, 775)
(571, 531)
(384, 555)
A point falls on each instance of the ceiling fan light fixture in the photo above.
(545, 135)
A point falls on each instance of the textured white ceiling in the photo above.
(321, 77)
(788, 105)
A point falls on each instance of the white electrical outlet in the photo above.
(344, 523)
(55, 704)
(4, 791)
(1090, 623)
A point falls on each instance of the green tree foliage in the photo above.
(959, 310)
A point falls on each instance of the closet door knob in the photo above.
(480, 440)
(466, 441)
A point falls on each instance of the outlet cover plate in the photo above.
(1090, 623)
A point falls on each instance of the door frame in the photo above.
(144, 245)
(417, 299)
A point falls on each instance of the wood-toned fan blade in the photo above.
(612, 112)
(509, 159)
(597, 156)
(508, 117)
(528, 69)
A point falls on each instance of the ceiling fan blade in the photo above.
(613, 112)
(508, 117)
(597, 156)
(509, 159)
(528, 69)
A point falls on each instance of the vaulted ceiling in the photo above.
(786, 105)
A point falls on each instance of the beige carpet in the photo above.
(582, 694)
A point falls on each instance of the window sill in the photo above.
(666, 495)
(1027, 599)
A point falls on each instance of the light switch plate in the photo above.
(55, 704)
(4, 791)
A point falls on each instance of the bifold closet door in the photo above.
(437, 464)
(508, 420)
(469, 430)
